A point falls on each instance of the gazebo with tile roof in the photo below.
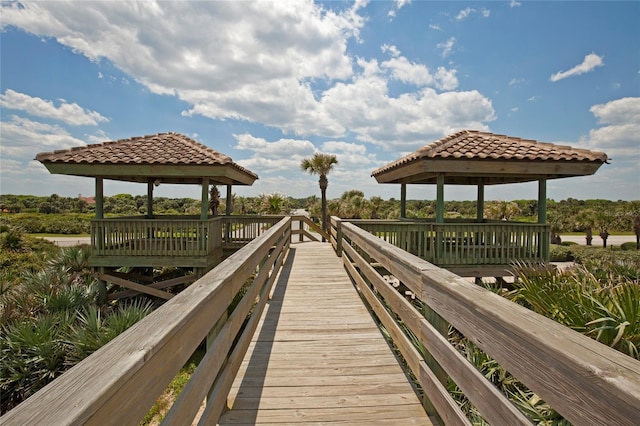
(479, 158)
(150, 241)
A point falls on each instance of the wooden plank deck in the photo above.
(318, 357)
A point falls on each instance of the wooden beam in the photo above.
(187, 173)
(521, 170)
(134, 286)
(159, 285)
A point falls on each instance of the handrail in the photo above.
(122, 380)
(585, 381)
(459, 245)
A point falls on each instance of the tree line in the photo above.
(59, 214)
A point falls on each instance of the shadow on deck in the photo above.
(318, 356)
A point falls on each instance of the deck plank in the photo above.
(318, 357)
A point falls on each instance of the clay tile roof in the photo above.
(476, 145)
(163, 148)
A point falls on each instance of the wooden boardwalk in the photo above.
(318, 357)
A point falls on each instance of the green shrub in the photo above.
(629, 245)
(569, 243)
(560, 253)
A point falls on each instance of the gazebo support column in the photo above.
(204, 207)
(99, 198)
(542, 201)
(150, 199)
(403, 200)
(480, 203)
(542, 217)
(229, 201)
(440, 199)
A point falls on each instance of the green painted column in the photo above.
(403, 200)
(99, 198)
(440, 199)
(480, 203)
(204, 208)
(542, 200)
(542, 218)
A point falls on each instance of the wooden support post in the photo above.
(440, 199)
(150, 199)
(403, 200)
(204, 208)
(229, 201)
(542, 201)
(480, 203)
(542, 217)
(99, 198)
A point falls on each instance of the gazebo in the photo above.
(481, 247)
(150, 240)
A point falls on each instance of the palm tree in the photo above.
(321, 165)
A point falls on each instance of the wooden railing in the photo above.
(239, 230)
(461, 244)
(585, 381)
(170, 236)
(121, 381)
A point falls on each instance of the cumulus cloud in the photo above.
(24, 138)
(466, 12)
(72, 114)
(402, 69)
(590, 62)
(619, 134)
(281, 64)
(280, 155)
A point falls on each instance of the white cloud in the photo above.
(72, 114)
(239, 60)
(590, 62)
(447, 46)
(417, 74)
(280, 64)
(23, 138)
(435, 27)
(534, 98)
(619, 134)
(485, 13)
(280, 155)
(464, 13)
(401, 3)
(514, 3)
(515, 81)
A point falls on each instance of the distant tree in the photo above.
(275, 203)
(321, 165)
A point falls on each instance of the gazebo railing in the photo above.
(239, 230)
(462, 244)
(168, 236)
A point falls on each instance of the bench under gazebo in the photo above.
(151, 240)
(480, 247)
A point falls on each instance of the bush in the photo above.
(569, 243)
(629, 245)
(560, 253)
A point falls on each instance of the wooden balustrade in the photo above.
(459, 244)
(585, 381)
(120, 382)
(154, 237)
(239, 230)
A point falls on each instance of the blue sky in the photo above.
(270, 83)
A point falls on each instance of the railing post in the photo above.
(300, 228)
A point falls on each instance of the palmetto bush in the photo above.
(50, 321)
(604, 304)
